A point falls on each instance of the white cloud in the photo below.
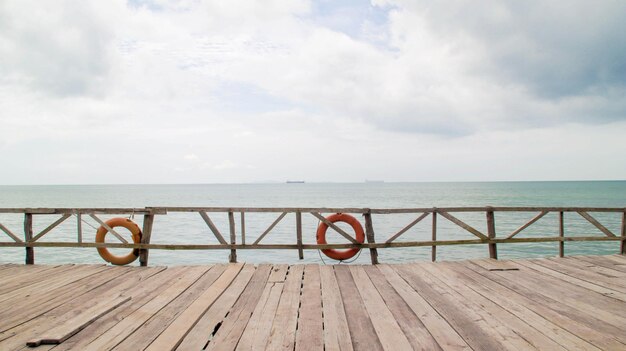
(402, 90)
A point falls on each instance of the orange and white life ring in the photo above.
(358, 231)
(135, 232)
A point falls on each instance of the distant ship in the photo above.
(374, 181)
(295, 181)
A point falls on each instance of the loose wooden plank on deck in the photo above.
(72, 326)
(132, 322)
(491, 264)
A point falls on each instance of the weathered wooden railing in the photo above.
(489, 238)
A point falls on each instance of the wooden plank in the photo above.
(132, 322)
(462, 224)
(143, 285)
(213, 228)
(198, 336)
(472, 326)
(589, 284)
(502, 318)
(613, 279)
(334, 227)
(162, 320)
(283, 333)
(257, 332)
(177, 330)
(336, 331)
(605, 261)
(414, 330)
(362, 332)
(56, 308)
(591, 329)
(42, 286)
(456, 306)
(445, 335)
(310, 333)
(407, 227)
(23, 279)
(52, 226)
(233, 326)
(564, 298)
(38, 302)
(269, 229)
(389, 332)
(546, 321)
(610, 273)
(62, 332)
(495, 265)
(528, 224)
(278, 273)
(582, 299)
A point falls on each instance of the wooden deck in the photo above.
(575, 303)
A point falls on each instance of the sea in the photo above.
(190, 228)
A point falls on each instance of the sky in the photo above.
(194, 91)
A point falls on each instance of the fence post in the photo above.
(28, 236)
(233, 240)
(299, 234)
(491, 233)
(433, 249)
(146, 233)
(369, 231)
(561, 235)
(622, 249)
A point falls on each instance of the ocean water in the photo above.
(189, 228)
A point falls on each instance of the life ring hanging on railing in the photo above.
(135, 232)
(340, 254)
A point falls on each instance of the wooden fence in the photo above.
(236, 239)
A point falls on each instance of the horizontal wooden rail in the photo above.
(236, 239)
(307, 246)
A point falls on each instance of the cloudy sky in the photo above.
(248, 91)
